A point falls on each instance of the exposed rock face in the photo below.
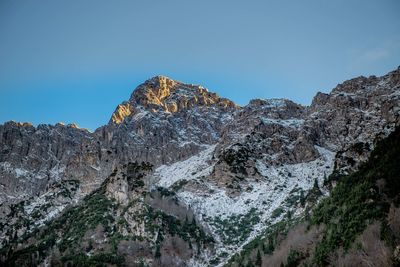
(123, 110)
(185, 151)
(354, 114)
(32, 158)
(162, 93)
(270, 127)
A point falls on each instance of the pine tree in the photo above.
(302, 198)
(158, 252)
(316, 186)
(289, 214)
(270, 247)
(258, 259)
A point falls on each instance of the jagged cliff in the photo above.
(181, 174)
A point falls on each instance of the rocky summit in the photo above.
(183, 177)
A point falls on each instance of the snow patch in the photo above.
(294, 123)
(192, 168)
(20, 172)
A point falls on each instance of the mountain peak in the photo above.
(161, 82)
(161, 79)
(163, 94)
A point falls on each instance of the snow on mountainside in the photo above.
(264, 201)
(180, 176)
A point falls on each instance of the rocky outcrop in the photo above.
(165, 121)
(163, 94)
(123, 110)
(354, 114)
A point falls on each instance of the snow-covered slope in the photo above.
(263, 202)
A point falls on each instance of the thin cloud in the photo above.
(375, 55)
(366, 58)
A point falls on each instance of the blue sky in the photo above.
(74, 61)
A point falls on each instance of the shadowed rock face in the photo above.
(32, 158)
(169, 125)
(355, 113)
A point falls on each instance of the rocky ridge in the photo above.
(235, 170)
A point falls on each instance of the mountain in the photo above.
(182, 177)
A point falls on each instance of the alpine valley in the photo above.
(182, 177)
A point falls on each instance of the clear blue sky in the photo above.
(74, 61)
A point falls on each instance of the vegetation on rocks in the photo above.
(236, 228)
(360, 199)
(90, 233)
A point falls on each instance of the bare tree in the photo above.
(373, 251)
